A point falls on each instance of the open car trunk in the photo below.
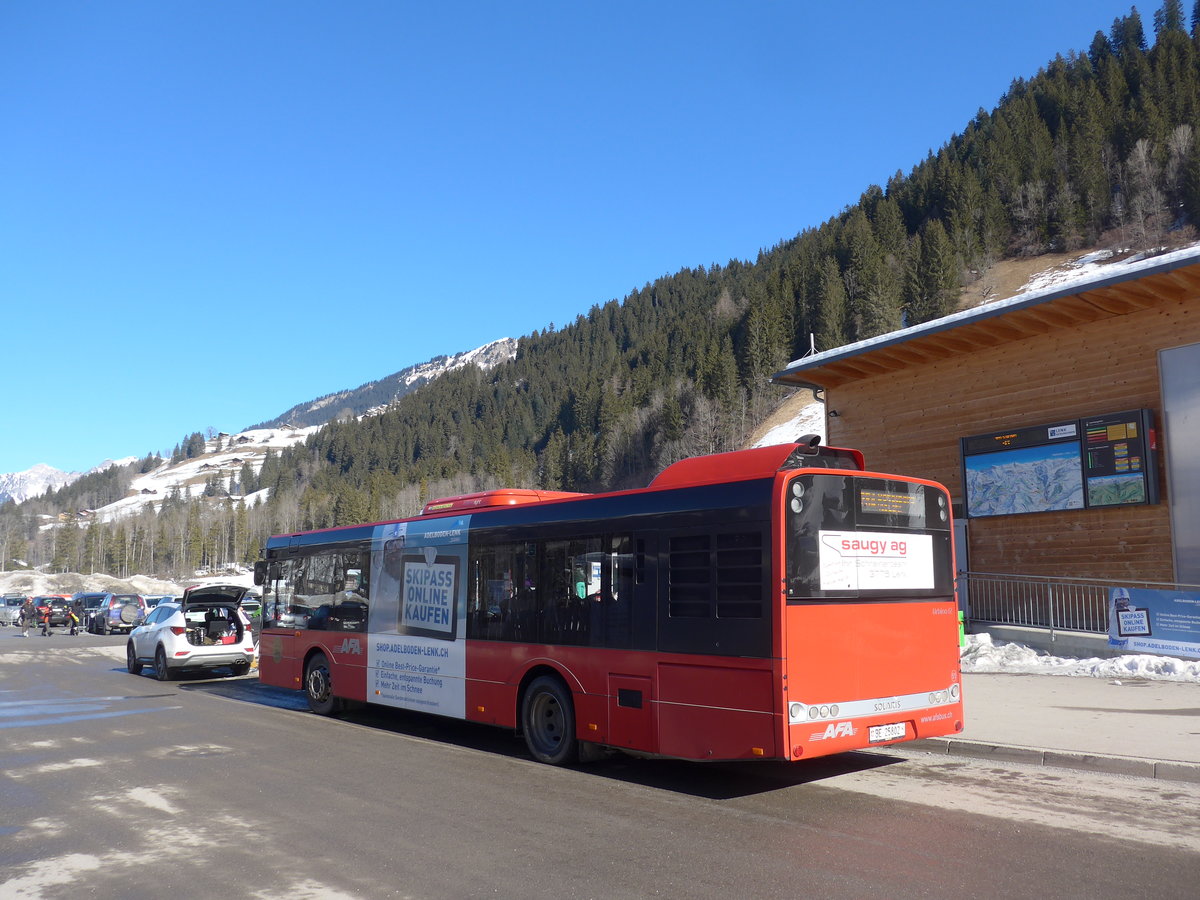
(213, 615)
(213, 623)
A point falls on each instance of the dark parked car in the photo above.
(91, 601)
(58, 605)
(117, 612)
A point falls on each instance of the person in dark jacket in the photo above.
(75, 616)
(28, 616)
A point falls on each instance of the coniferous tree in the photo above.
(1169, 17)
(831, 302)
(937, 281)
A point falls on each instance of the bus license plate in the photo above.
(890, 732)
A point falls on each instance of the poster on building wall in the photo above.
(1161, 622)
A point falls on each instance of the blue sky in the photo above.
(211, 211)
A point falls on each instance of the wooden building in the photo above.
(1124, 341)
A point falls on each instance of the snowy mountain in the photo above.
(375, 396)
(223, 458)
(33, 482)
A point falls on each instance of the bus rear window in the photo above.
(858, 537)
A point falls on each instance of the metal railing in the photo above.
(1062, 604)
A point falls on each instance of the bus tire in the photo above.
(548, 722)
(318, 686)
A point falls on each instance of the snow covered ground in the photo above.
(32, 583)
(982, 654)
(810, 419)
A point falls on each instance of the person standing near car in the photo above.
(75, 616)
(28, 616)
(46, 619)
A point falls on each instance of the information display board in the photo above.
(1099, 461)
(1117, 459)
(1022, 470)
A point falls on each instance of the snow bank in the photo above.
(982, 654)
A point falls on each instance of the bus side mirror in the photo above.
(260, 572)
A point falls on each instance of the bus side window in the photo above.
(277, 600)
(503, 601)
(616, 620)
(349, 604)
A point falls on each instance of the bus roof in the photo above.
(485, 499)
(760, 462)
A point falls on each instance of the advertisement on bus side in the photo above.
(416, 649)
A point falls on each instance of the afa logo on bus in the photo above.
(834, 730)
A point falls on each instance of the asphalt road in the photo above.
(119, 786)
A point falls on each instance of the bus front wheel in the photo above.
(318, 686)
(548, 721)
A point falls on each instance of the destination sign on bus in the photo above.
(891, 503)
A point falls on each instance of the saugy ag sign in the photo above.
(875, 560)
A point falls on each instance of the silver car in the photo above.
(10, 609)
(204, 629)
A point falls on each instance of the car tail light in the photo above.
(178, 629)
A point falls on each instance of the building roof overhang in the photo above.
(1144, 284)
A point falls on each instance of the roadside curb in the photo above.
(1167, 770)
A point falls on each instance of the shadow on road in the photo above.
(713, 781)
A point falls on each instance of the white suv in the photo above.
(204, 629)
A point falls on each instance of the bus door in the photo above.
(277, 641)
(629, 584)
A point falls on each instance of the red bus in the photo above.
(775, 603)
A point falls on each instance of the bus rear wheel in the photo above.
(318, 686)
(548, 722)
